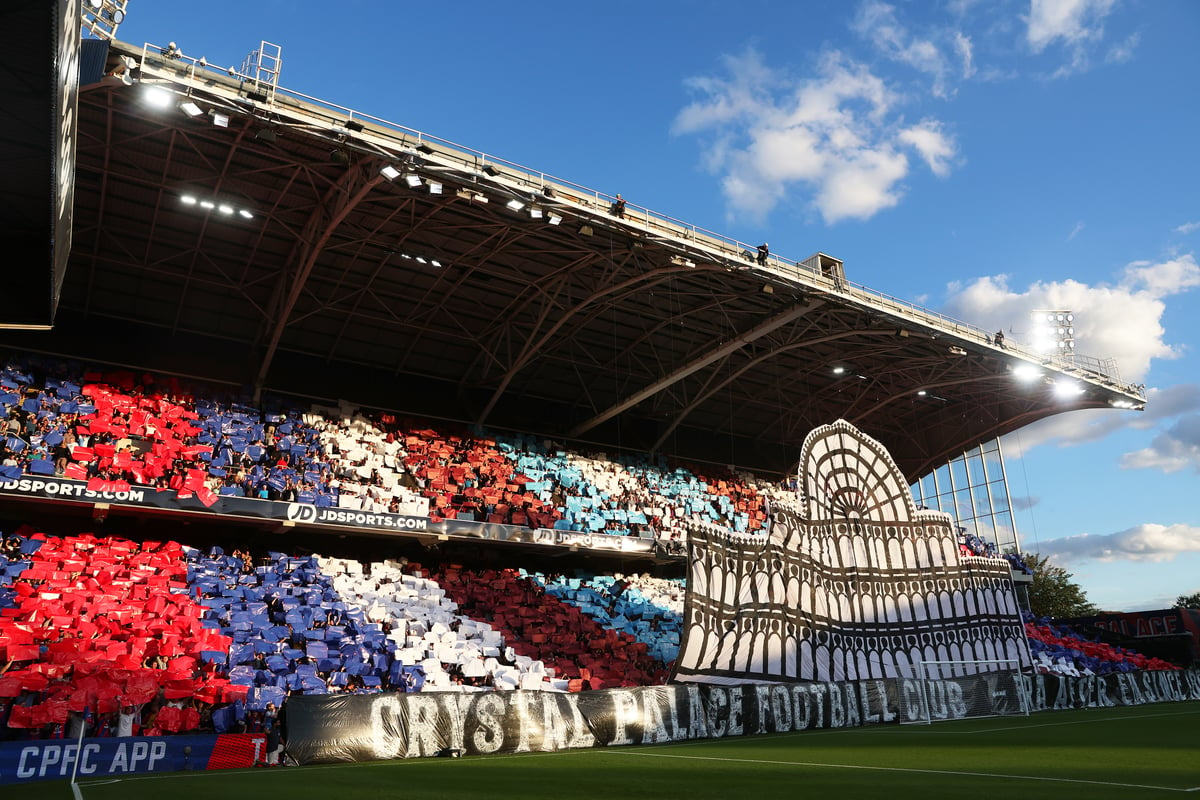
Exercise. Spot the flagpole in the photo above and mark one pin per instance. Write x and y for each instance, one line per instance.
(78, 754)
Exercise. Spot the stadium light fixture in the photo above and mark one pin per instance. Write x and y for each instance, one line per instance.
(1026, 373)
(390, 172)
(188, 200)
(514, 205)
(435, 187)
(245, 214)
(1066, 390)
(208, 204)
(225, 208)
(412, 179)
(157, 97)
(190, 108)
(586, 230)
(535, 212)
(267, 135)
(839, 370)
(553, 219)
(220, 120)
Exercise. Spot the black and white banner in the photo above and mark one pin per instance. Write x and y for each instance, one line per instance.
(301, 514)
(327, 728)
(853, 582)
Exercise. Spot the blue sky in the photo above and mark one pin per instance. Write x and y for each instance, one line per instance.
(981, 158)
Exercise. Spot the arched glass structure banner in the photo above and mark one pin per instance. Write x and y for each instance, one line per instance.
(852, 582)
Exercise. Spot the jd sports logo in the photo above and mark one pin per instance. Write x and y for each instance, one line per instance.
(301, 512)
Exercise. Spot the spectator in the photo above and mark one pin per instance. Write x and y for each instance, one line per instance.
(617, 209)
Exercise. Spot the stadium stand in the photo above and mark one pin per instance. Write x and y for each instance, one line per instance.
(94, 630)
(1058, 649)
(161, 637)
(116, 429)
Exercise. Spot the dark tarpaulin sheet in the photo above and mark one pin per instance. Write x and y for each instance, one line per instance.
(336, 728)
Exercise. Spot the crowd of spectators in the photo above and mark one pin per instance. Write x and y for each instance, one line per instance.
(151, 638)
(1059, 649)
(118, 429)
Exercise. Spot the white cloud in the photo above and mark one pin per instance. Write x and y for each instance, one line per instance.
(1071, 21)
(1174, 449)
(1078, 25)
(1079, 226)
(1121, 321)
(836, 134)
(966, 53)
(932, 144)
(1149, 542)
(877, 23)
(1188, 227)
(1120, 53)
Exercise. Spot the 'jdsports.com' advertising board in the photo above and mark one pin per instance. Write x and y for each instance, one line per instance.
(308, 514)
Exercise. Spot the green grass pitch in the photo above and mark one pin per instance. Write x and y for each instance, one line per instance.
(1125, 752)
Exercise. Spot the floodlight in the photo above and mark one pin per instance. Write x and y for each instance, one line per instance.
(421, 260)
(436, 263)
(413, 180)
(266, 135)
(245, 214)
(514, 205)
(209, 204)
(839, 370)
(157, 97)
(188, 200)
(553, 218)
(220, 120)
(922, 393)
(390, 172)
(190, 108)
(535, 212)
(435, 187)
(1026, 372)
(225, 208)
(1065, 390)
(585, 230)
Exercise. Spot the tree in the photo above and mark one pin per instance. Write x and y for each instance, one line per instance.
(1053, 593)
(1187, 601)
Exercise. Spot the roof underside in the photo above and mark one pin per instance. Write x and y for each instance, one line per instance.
(609, 338)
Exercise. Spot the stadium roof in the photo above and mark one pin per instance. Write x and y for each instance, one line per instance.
(253, 237)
